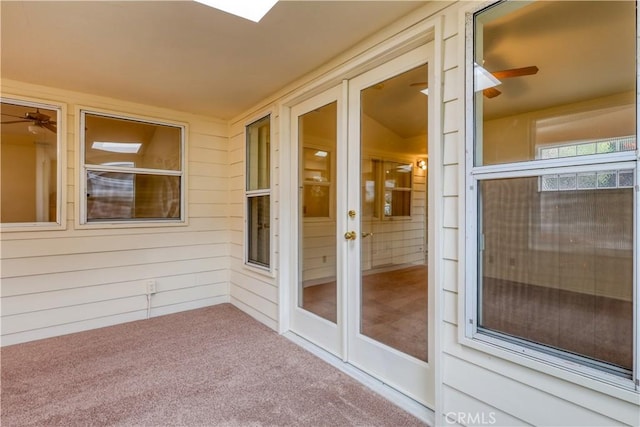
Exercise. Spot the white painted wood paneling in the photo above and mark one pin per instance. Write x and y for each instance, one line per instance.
(516, 390)
(58, 282)
(461, 409)
(518, 399)
(450, 275)
(451, 148)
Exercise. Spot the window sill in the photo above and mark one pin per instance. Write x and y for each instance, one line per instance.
(131, 224)
(562, 369)
(31, 226)
(259, 270)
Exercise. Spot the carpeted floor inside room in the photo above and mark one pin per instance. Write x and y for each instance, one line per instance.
(214, 366)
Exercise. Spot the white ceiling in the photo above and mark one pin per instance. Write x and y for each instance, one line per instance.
(181, 54)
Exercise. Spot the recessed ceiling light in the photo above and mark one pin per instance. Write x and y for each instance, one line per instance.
(253, 10)
(321, 154)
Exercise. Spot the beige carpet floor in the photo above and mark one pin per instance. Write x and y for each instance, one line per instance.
(214, 366)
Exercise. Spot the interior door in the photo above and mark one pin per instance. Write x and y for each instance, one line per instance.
(317, 303)
(389, 300)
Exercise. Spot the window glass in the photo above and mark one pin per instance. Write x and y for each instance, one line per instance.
(557, 266)
(133, 169)
(258, 192)
(119, 196)
(112, 141)
(258, 146)
(258, 220)
(540, 83)
(29, 170)
(556, 263)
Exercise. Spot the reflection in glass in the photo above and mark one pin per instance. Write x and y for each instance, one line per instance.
(564, 94)
(317, 136)
(258, 153)
(110, 140)
(121, 196)
(393, 245)
(29, 169)
(557, 265)
(317, 183)
(258, 219)
(397, 194)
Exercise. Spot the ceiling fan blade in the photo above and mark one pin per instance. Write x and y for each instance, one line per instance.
(13, 115)
(491, 92)
(15, 121)
(49, 126)
(515, 72)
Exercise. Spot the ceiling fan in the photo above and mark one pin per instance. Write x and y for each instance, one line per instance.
(36, 118)
(492, 92)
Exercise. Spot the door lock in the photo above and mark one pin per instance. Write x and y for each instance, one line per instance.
(350, 235)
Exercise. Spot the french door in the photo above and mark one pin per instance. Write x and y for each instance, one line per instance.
(361, 290)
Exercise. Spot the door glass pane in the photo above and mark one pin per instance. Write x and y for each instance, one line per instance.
(394, 212)
(317, 135)
(557, 266)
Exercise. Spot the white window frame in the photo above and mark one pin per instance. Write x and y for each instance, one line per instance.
(493, 343)
(83, 222)
(248, 194)
(61, 150)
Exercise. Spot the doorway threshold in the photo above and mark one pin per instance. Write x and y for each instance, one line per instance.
(401, 400)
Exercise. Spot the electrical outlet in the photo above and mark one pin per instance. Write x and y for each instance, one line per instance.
(151, 286)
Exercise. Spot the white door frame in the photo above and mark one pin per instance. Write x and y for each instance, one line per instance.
(320, 331)
(409, 375)
(425, 31)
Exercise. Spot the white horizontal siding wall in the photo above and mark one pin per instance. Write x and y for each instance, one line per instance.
(478, 388)
(252, 289)
(58, 282)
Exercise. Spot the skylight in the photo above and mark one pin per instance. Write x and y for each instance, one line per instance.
(253, 10)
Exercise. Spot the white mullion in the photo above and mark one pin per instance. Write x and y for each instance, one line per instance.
(596, 159)
(471, 273)
(636, 288)
(484, 173)
(138, 171)
(258, 193)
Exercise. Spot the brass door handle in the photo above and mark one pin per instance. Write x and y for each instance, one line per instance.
(350, 235)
